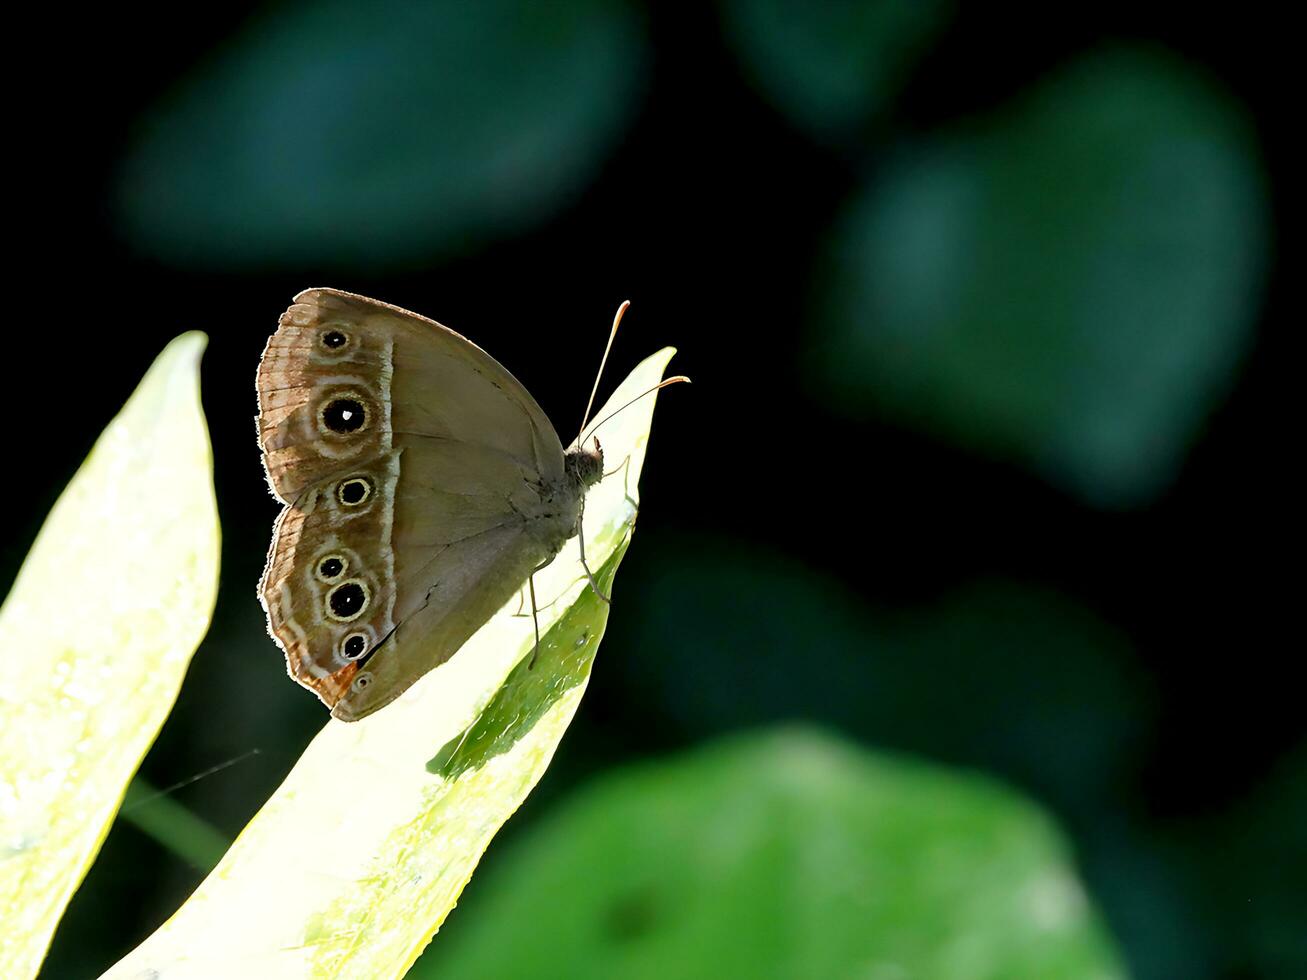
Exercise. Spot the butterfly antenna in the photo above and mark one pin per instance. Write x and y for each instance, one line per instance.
(617, 319)
(661, 384)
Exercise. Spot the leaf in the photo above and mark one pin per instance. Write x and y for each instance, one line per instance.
(787, 855)
(188, 836)
(360, 135)
(355, 861)
(97, 633)
(1250, 888)
(832, 67)
(1030, 682)
(1070, 283)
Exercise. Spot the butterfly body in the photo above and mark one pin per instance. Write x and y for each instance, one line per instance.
(422, 486)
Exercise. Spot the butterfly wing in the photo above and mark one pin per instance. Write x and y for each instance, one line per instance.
(347, 378)
(412, 465)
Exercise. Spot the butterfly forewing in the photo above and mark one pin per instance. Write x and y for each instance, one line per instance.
(424, 380)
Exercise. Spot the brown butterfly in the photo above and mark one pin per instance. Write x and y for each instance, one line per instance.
(423, 486)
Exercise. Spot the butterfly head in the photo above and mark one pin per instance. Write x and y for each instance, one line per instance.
(584, 465)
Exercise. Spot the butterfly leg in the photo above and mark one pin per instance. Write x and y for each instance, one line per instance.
(535, 610)
(535, 618)
(623, 465)
(625, 469)
(580, 538)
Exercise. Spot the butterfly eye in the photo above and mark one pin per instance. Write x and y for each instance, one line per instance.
(361, 682)
(347, 601)
(354, 491)
(332, 567)
(343, 416)
(355, 645)
(333, 340)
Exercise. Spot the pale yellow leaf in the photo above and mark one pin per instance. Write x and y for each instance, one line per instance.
(355, 861)
(96, 636)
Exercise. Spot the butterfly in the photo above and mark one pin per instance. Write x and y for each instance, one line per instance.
(422, 484)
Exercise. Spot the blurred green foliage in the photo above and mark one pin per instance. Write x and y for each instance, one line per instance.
(789, 855)
(185, 834)
(832, 67)
(1263, 860)
(1070, 283)
(359, 135)
(1028, 681)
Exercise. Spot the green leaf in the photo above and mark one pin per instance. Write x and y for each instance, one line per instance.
(1071, 283)
(368, 134)
(1251, 887)
(172, 825)
(786, 855)
(96, 634)
(355, 861)
(994, 673)
(832, 67)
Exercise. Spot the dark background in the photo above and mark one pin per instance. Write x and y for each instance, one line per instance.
(1121, 652)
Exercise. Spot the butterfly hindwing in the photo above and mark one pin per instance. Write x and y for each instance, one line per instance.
(328, 587)
(367, 549)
